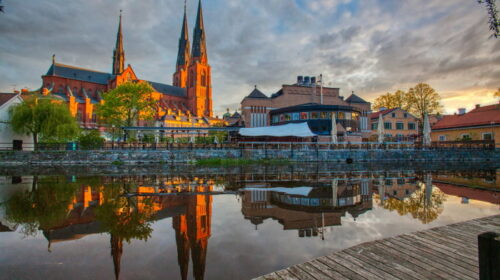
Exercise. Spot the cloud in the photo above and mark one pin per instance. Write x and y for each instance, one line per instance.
(368, 46)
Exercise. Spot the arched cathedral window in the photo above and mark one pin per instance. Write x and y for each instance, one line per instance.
(203, 79)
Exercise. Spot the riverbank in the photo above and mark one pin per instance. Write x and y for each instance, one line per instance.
(135, 157)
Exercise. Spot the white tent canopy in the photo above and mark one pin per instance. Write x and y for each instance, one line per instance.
(286, 130)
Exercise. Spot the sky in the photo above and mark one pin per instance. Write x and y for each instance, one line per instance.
(367, 46)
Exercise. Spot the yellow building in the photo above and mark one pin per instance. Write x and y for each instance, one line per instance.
(398, 124)
(482, 123)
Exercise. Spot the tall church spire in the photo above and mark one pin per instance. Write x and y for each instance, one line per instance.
(183, 54)
(199, 42)
(119, 53)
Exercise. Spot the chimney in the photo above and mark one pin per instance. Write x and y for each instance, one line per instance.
(313, 81)
(477, 106)
(300, 80)
(307, 80)
(461, 111)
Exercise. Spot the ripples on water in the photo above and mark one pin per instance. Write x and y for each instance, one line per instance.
(220, 223)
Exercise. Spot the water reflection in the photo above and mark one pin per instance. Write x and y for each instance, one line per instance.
(70, 208)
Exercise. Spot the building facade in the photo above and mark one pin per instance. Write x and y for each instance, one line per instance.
(256, 107)
(10, 140)
(188, 102)
(398, 124)
(482, 123)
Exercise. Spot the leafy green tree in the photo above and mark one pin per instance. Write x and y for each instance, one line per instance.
(44, 118)
(91, 140)
(423, 99)
(389, 100)
(126, 105)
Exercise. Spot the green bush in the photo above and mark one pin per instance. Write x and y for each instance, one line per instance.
(91, 140)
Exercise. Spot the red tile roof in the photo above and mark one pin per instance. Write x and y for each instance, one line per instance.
(384, 112)
(4, 97)
(486, 115)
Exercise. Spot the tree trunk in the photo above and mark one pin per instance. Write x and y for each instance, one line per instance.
(35, 141)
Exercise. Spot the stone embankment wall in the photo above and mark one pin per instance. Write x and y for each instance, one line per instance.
(9, 158)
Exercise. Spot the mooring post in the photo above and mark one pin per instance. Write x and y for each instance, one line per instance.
(489, 255)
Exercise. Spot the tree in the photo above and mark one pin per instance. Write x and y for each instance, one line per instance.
(423, 99)
(46, 119)
(389, 100)
(493, 16)
(91, 140)
(126, 105)
(497, 93)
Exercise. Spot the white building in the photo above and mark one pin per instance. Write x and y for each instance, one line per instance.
(8, 138)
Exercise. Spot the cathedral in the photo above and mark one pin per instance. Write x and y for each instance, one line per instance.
(188, 102)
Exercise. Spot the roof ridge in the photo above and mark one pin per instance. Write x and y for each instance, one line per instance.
(80, 68)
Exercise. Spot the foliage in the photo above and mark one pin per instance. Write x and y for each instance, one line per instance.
(120, 215)
(91, 140)
(421, 207)
(389, 100)
(46, 119)
(423, 99)
(493, 16)
(497, 93)
(126, 105)
(45, 206)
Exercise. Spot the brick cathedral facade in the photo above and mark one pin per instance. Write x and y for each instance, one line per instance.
(188, 102)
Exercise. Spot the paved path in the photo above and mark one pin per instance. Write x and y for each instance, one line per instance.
(447, 252)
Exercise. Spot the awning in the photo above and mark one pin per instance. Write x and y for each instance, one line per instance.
(286, 130)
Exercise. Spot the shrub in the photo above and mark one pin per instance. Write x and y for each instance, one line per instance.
(91, 140)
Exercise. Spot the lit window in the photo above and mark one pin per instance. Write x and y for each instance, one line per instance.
(304, 116)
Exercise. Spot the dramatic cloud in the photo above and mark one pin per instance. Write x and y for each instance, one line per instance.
(368, 46)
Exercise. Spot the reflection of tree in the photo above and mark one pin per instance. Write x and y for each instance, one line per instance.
(45, 206)
(122, 218)
(425, 204)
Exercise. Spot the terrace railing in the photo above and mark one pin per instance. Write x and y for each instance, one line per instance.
(478, 145)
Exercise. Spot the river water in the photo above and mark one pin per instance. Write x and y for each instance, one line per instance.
(188, 222)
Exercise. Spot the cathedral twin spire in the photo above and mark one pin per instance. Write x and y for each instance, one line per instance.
(199, 51)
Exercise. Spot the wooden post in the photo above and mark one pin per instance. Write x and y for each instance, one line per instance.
(489, 255)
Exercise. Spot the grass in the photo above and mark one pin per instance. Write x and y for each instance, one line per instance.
(239, 161)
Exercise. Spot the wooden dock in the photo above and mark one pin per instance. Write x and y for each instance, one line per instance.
(446, 252)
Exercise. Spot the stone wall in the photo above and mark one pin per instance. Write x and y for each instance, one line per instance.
(10, 158)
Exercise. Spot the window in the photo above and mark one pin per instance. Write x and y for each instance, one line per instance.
(282, 117)
(191, 79)
(295, 116)
(287, 117)
(374, 126)
(393, 115)
(487, 136)
(276, 119)
(442, 137)
(466, 136)
(203, 79)
(347, 116)
(341, 115)
(411, 126)
(388, 125)
(314, 115)
(304, 116)
(322, 115)
(405, 115)
(400, 125)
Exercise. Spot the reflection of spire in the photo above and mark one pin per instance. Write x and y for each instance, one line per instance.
(428, 189)
(116, 253)
(182, 246)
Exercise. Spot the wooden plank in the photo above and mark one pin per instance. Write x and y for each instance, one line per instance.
(340, 259)
(313, 271)
(286, 275)
(416, 263)
(333, 274)
(431, 260)
(341, 269)
(370, 267)
(399, 264)
(447, 252)
(453, 259)
(301, 274)
(381, 266)
(440, 247)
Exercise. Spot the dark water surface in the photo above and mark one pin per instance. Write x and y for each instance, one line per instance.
(102, 223)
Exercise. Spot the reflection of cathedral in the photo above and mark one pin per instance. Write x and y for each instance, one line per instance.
(191, 220)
